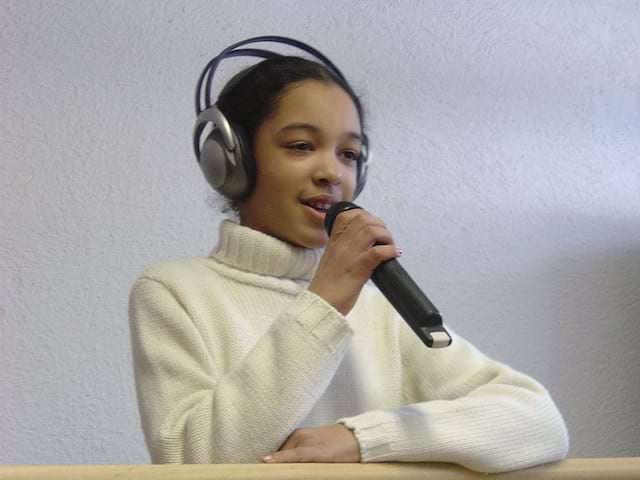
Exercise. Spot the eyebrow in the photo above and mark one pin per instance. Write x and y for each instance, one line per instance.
(316, 129)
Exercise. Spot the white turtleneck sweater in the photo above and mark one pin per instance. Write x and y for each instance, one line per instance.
(232, 353)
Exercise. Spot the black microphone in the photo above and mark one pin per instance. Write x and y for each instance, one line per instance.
(402, 292)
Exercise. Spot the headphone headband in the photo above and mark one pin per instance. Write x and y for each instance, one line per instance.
(211, 67)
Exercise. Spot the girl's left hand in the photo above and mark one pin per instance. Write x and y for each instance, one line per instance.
(328, 444)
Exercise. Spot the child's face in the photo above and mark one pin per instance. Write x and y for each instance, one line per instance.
(295, 163)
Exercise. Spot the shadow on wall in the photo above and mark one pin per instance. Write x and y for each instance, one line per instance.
(580, 282)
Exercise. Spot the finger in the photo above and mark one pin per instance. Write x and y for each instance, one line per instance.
(291, 441)
(288, 445)
(352, 221)
(363, 218)
(376, 255)
(295, 455)
(369, 235)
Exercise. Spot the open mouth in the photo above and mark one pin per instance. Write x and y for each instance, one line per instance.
(319, 207)
(317, 210)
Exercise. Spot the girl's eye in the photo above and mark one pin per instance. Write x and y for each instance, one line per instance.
(304, 146)
(351, 155)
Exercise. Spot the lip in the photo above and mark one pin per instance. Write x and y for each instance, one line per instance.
(321, 198)
(315, 214)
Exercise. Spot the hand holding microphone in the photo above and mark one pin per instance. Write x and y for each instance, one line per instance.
(359, 243)
(361, 247)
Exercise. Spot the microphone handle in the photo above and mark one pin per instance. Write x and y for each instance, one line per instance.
(411, 303)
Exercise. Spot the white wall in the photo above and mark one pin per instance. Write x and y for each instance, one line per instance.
(507, 165)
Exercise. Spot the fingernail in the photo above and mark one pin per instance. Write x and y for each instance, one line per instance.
(267, 458)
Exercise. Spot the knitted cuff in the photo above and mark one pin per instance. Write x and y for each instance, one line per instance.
(321, 319)
(375, 434)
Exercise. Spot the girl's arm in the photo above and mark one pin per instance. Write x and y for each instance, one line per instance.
(463, 408)
(190, 415)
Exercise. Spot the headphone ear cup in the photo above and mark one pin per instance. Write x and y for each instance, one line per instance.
(360, 179)
(363, 167)
(214, 160)
(230, 173)
(246, 160)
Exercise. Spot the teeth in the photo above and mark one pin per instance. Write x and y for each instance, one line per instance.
(320, 206)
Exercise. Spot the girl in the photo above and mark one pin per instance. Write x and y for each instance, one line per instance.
(275, 349)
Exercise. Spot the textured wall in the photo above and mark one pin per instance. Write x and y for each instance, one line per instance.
(507, 164)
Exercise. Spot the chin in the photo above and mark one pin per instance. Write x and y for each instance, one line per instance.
(318, 245)
(312, 241)
(310, 244)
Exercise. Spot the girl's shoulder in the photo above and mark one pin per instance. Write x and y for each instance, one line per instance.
(182, 270)
(192, 274)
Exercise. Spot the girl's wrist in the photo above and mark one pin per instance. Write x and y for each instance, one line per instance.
(326, 297)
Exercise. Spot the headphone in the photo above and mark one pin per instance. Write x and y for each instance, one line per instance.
(224, 155)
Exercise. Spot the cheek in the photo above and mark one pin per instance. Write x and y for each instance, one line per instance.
(352, 175)
(275, 184)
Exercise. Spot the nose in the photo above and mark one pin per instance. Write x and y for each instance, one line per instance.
(328, 169)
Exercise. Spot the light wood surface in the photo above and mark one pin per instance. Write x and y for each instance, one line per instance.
(575, 468)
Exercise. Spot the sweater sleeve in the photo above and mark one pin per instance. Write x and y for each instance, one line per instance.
(470, 410)
(191, 416)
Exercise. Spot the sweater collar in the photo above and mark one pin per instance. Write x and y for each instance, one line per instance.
(254, 251)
